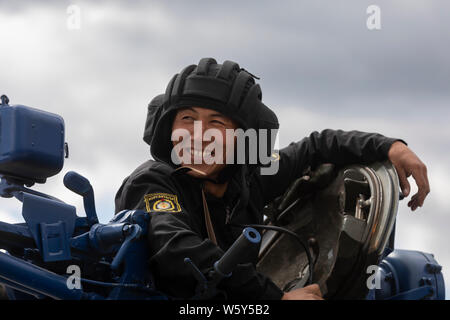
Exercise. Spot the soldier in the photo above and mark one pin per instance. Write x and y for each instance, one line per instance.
(196, 205)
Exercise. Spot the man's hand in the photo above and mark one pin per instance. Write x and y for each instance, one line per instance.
(407, 163)
(311, 292)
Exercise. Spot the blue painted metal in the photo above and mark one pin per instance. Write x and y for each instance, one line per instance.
(31, 143)
(34, 280)
(409, 275)
(51, 223)
(131, 259)
(112, 257)
(80, 185)
(9, 188)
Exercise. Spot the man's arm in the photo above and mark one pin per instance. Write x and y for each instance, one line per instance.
(329, 146)
(345, 148)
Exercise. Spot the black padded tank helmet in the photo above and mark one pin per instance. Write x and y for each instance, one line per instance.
(225, 88)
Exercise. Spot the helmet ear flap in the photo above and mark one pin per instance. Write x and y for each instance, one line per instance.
(154, 111)
(169, 88)
(238, 89)
(254, 92)
(249, 105)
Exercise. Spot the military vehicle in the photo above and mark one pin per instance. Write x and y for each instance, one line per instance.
(333, 226)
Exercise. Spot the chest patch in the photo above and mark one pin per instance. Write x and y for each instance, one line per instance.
(162, 202)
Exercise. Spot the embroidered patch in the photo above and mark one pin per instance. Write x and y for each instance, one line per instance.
(161, 202)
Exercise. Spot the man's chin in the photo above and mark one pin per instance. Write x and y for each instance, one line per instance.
(202, 171)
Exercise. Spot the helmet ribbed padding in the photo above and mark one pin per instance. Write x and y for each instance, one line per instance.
(203, 66)
(225, 84)
(228, 70)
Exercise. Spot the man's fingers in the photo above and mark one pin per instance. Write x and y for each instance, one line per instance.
(312, 296)
(413, 200)
(404, 184)
(427, 183)
(413, 203)
(311, 292)
(422, 184)
(314, 289)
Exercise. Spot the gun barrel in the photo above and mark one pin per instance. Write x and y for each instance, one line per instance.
(249, 238)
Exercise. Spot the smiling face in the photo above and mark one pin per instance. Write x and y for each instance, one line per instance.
(203, 151)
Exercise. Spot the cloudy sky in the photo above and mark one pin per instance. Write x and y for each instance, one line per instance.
(320, 67)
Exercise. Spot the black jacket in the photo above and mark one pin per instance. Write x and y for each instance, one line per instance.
(177, 229)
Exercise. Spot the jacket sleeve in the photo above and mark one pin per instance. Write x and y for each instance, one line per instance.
(172, 238)
(329, 146)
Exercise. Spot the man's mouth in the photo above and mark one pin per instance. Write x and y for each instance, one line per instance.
(199, 153)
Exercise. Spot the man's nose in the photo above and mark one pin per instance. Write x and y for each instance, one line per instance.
(199, 128)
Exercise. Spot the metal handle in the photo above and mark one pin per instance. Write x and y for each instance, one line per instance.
(133, 232)
(233, 256)
(80, 185)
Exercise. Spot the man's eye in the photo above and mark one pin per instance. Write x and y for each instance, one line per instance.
(187, 118)
(218, 122)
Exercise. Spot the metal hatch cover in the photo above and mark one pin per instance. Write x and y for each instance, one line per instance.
(351, 220)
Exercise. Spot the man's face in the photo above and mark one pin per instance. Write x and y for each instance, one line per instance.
(205, 147)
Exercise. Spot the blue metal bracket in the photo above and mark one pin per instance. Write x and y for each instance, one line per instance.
(52, 224)
(55, 244)
(414, 294)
